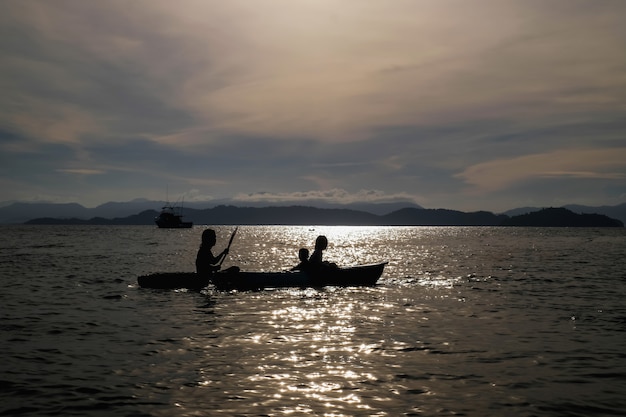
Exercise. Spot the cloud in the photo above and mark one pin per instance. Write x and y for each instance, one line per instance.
(336, 195)
(82, 171)
(500, 174)
(315, 69)
(339, 80)
(46, 122)
(230, 97)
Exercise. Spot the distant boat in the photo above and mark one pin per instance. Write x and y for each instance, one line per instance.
(171, 217)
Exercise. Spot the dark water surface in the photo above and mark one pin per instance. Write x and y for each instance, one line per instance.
(465, 321)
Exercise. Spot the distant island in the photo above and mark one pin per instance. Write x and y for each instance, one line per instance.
(561, 217)
(303, 215)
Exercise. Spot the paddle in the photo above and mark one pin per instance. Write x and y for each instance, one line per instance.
(229, 243)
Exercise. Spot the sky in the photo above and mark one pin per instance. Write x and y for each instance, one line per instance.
(466, 105)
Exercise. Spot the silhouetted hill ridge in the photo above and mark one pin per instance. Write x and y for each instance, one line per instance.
(562, 217)
(441, 217)
(617, 212)
(20, 212)
(305, 215)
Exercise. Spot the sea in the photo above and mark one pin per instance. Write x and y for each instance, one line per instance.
(465, 321)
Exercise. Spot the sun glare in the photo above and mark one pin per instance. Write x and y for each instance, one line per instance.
(322, 358)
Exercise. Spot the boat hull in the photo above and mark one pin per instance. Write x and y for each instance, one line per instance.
(170, 221)
(360, 275)
(166, 225)
(173, 280)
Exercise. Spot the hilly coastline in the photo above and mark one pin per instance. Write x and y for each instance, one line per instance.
(304, 215)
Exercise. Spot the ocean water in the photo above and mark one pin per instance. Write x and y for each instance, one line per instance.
(473, 321)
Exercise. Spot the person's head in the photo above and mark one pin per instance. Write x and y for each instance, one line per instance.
(321, 243)
(208, 238)
(303, 254)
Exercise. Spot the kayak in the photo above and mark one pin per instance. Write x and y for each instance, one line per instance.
(174, 280)
(359, 275)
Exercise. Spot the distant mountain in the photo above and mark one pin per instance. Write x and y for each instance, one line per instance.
(231, 215)
(22, 212)
(123, 209)
(373, 208)
(144, 218)
(293, 215)
(561, 217)
(199, 213)
(301, 215)
(616, 212)
(441, 217)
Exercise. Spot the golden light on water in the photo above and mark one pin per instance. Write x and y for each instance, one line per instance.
(314, 351)
(314, 355)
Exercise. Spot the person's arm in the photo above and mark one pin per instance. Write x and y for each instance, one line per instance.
(221, 256)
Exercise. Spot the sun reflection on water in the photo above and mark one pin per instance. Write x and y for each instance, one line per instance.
(316, 361)
(333, 351)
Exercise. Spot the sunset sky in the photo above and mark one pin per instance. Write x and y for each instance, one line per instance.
(467, 105)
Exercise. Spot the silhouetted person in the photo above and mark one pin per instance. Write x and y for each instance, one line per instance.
(321, 243)
(206, 263)
(315, 261)
(303, 255)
